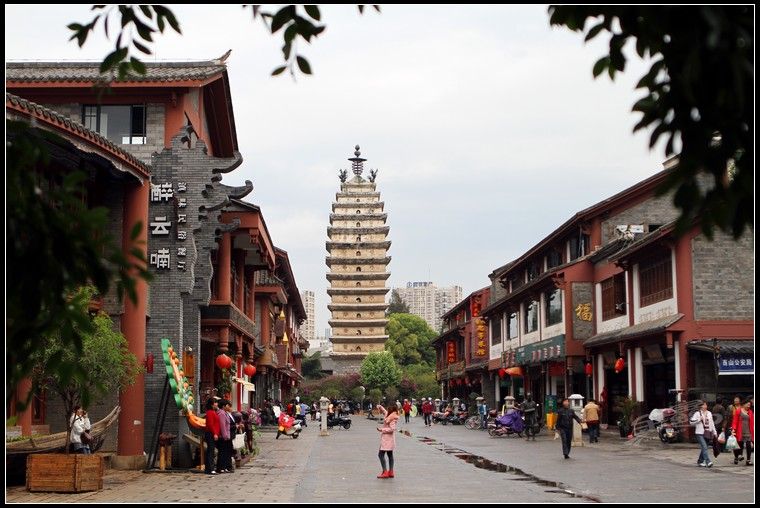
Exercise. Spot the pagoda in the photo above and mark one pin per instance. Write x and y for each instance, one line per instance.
(358, 261)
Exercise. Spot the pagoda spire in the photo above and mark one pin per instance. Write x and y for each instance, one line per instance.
(357, 163)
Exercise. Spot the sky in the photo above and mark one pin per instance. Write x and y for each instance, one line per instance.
(485, 123)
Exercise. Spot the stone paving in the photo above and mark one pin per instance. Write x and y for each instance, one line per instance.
(435, 464)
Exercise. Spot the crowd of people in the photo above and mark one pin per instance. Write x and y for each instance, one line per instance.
(737, 430)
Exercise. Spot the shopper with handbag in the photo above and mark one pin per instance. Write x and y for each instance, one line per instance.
(743, 425)
(705, 432)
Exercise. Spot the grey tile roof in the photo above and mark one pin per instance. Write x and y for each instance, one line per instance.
(62, 121)
(87, 72)
(746, 346)
(631, 332)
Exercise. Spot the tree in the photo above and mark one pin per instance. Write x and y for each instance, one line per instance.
(375, 395)
(409, 339)
(311, 366)
(392, 393)
(397, 305)
(699, 91)
(104, 356)
(54, 246)
(379, 370)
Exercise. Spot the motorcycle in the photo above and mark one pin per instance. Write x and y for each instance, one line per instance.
(510, 423)
(663, 423)
(339, 421)
(288, 426)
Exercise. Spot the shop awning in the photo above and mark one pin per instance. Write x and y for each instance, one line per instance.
(248, 386)
(632, 332)
(735, 357)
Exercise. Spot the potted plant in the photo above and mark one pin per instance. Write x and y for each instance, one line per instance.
(626, 406)
(107, 366)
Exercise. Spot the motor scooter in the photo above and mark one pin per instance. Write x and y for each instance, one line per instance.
(288, 426)
(510, 423)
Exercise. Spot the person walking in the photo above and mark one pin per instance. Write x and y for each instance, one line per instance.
(387, 438)
(427, 410)
(80, 424)
(529, 409)
(704, 431)
(744, 429)
(407, 410)
(565, 417)
(211, 434)
(591, 417)
(313, 411)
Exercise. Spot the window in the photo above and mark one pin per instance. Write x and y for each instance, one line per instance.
(531, 316)
(512, 326)
(358, 332)
(358, 253)
(359, 238)
(495, 331)
(553, 307)
(578, 246)
(516, 281)
(123, 125)
(358, 314)
(553, 258)
(655, 279)
(534, 269)
(358, 224)
(358, 300)
(358, 284)
(358, 212)
(613, 297)
(358, 268)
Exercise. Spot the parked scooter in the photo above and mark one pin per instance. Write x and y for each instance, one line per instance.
(663, 422)
(339, 421)
(510, 423)
(288, 426)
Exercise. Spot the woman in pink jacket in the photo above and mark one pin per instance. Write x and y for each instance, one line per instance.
(387, 439)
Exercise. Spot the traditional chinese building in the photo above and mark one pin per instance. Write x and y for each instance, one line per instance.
(462, 349)
(358, 259)
(567, 303)
(177, 123)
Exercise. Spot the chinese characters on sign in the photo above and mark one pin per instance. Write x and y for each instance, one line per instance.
(163, 193)
(736, 365)
(583, 311)
(451, 352)
(480, 327)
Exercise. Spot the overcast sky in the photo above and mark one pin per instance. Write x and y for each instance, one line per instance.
(485, 123)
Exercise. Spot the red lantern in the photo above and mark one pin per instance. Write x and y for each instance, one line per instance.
(250, 370)
(502, 373)
(589, 369)
(459, 381)
(619, 365)
(451, 382)
(223, 361)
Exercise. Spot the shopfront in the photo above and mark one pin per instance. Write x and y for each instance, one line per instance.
(544, 369)
(722, 368)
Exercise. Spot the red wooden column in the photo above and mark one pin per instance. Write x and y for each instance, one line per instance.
(25, 417)
(132, 398)
(240, 268)
(225, 265)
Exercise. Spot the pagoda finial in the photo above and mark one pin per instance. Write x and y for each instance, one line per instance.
(357, 163)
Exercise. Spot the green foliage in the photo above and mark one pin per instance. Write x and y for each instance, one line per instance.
(392, 393)
(356, 394)
(104, 356)
(409, 338)
(339, 386)
(397, 305)
(11, 422)
(379, 370)
(150, 20)
(224, 385)
(699, 91)
(375, 395)
(311, 366)
(423, 378)
(55, 245)
(627, 407)
(137, 28)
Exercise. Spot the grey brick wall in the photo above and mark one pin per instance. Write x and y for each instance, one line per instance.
(655, 210)
(177, 295)
(497, 291)
(723, 277)
(55, 416)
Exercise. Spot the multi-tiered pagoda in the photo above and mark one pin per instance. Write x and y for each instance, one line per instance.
(358, 260)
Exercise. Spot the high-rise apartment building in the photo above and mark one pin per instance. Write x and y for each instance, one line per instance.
(428, 301)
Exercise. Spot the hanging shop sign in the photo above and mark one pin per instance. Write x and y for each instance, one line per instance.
(480, 331)
(550, 349)
(735, 365)
(451, 352)
(167, 207)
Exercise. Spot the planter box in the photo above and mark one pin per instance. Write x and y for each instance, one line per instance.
(58, 472)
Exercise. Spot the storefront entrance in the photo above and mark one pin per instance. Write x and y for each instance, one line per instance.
(658, 379)
(617, 386)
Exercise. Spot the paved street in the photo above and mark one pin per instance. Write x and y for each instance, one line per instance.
(432, 464)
